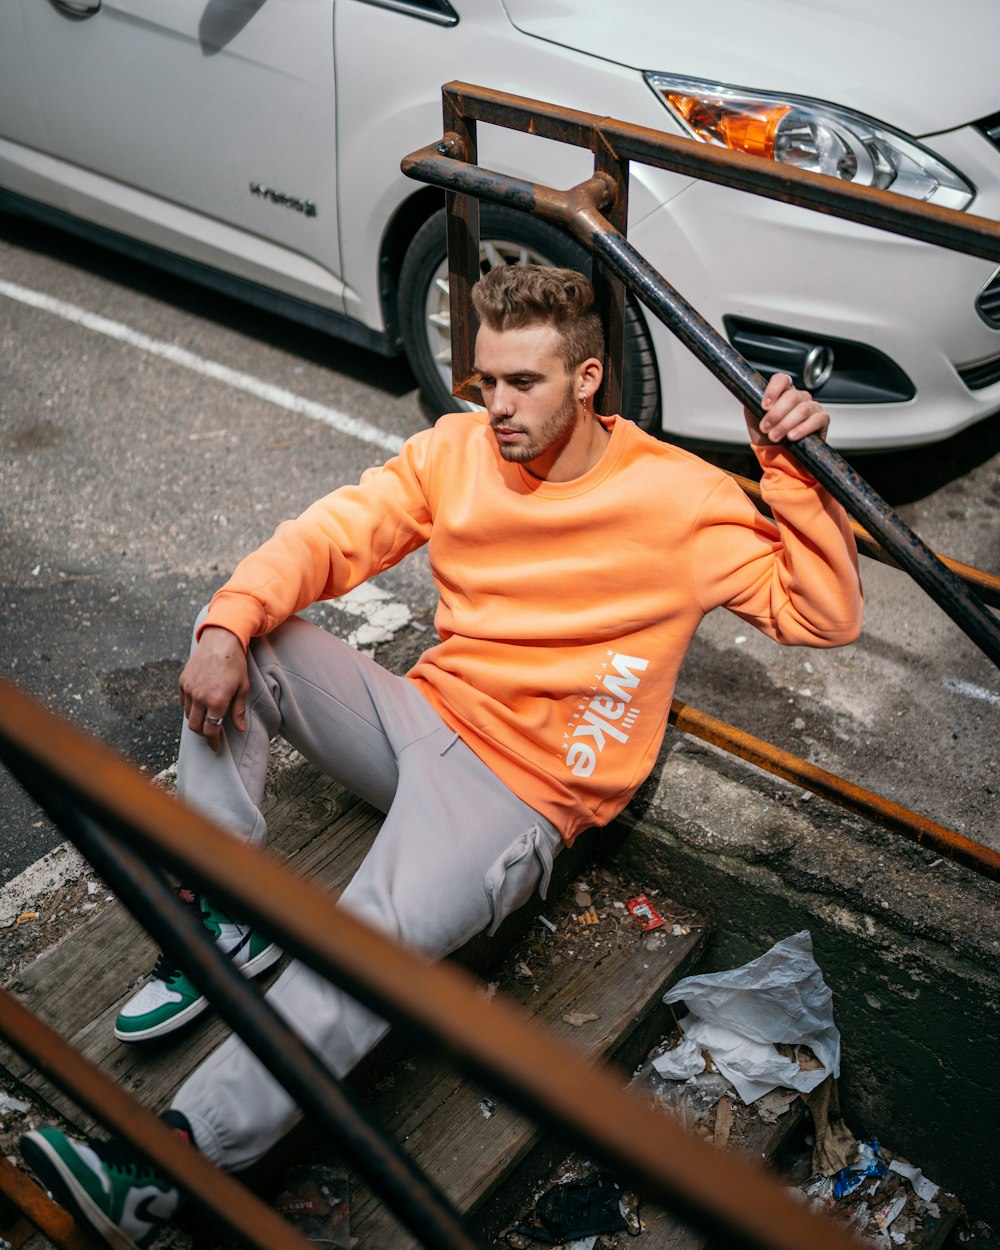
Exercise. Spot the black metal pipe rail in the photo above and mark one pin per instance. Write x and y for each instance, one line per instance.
(439, 1004)
(451, 164)
(843, 482)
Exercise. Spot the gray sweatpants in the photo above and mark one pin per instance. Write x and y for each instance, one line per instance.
(456, 853)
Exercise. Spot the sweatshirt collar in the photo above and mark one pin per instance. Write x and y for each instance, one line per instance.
(544, 489)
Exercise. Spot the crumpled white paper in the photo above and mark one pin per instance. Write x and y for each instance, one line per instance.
(922, 1187)
(738, 1016)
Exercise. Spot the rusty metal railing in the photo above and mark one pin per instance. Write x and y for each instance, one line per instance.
(42, 1214)
(596, 210)
(874, 807)
(391, 1172)
(114, 814)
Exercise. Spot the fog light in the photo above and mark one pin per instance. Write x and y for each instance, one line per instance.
(817, 367)
(836, 371)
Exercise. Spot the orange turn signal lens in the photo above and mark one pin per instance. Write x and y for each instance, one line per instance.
(749, 127)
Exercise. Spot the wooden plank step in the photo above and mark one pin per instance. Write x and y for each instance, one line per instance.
(78, 986)
(722, 1118)
(324, 832)
(606, 1006)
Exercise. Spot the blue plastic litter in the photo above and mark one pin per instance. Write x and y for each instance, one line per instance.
(868, 1163)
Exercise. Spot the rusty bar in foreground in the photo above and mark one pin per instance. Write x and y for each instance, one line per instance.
(867, 803)
(487, 1039)
(213, 1190)
(392, 1174)
(54, 1223)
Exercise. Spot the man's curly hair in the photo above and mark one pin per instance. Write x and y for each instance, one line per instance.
(511, 297)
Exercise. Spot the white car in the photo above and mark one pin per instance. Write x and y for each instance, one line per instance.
(254, 145)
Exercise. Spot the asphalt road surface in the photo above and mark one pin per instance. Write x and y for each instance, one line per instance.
(151, 434)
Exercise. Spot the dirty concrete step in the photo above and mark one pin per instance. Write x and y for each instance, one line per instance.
(602, 998)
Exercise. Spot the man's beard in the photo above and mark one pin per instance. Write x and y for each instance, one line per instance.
(556, 429)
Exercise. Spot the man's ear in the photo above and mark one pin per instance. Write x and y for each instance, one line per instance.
(589, 376)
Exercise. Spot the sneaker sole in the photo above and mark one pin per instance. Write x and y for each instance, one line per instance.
(191, 1012)
(69, 1193)
(267, 958)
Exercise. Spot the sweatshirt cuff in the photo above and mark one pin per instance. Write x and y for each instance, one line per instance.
(240, 614)
(775, 456)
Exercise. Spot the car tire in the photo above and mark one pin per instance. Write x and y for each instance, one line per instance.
(507, 237)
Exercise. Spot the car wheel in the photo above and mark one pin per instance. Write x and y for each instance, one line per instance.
(507, 238)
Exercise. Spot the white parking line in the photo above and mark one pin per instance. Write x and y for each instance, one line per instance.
(341, 421)
(381, 616)
(970, 690)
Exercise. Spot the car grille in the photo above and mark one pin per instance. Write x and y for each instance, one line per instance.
(988, 302)
(977, 377)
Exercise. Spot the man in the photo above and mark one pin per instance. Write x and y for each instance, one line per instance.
(574, 557)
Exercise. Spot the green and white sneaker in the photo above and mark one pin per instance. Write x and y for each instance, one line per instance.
(105, 1185)
(169, 999)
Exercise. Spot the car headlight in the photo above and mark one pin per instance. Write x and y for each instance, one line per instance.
(810, 134)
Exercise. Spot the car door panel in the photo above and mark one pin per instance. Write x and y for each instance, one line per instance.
(21, 133)
(205, 126)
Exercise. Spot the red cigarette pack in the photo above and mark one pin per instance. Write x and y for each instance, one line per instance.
(644, 911)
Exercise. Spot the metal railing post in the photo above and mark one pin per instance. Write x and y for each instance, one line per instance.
(609, 289)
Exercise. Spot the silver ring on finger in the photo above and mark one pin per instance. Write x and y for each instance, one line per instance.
(213, 720)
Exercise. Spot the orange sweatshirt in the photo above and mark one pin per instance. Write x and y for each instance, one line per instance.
(565, 608)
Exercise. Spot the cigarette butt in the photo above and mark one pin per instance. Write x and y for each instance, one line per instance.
(548, 924)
